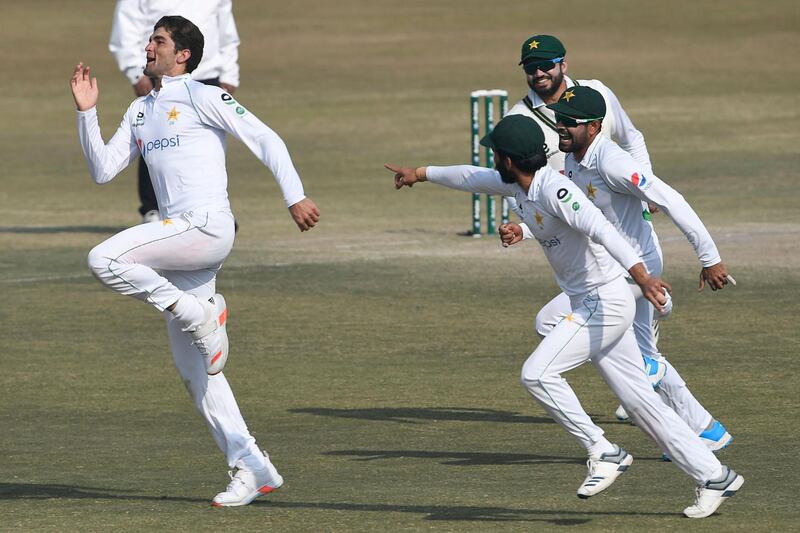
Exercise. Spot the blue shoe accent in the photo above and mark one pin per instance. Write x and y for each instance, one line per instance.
(655, 370)
(715, 432)
(716, 437)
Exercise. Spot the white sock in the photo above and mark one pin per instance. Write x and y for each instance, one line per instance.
(600, 447)
(189, 312)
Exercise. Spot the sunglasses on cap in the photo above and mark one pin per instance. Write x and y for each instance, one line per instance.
(544, 65)
(572, 122)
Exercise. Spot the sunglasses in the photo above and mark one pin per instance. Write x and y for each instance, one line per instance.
(572, 122)
(544, 66)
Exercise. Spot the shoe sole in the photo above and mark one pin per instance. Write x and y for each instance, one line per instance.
(623, 466)
(716, 445)
(266, 489)
(729, 492)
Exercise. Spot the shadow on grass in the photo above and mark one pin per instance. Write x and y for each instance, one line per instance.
(413, 415)
(465, 513)
(61, 229)
(460, 458)
(21, 491)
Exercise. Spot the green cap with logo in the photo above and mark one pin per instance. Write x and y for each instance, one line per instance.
(541, 47)
(516, 135)
(581, 103)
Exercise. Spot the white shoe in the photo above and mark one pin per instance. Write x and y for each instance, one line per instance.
(211, 337)
(713, 492)
(151, 216)
(604, 471)
(621, 414)
(247, 485)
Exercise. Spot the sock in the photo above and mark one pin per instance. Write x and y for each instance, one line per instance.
(599, 448)
(189, 312)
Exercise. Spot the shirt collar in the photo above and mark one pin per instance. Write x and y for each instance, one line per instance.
(166, 80)
(590, 157)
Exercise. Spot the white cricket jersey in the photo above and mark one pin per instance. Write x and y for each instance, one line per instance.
(619, 185)
(581, 245)
(616, 124)
(133, 24)
(180, 133)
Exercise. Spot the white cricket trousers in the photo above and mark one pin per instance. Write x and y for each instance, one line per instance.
(672, 389)
(159, 261)
(598, 327)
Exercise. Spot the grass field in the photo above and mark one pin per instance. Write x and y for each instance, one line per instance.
(377, 357)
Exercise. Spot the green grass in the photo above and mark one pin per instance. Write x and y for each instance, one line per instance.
(377, 357)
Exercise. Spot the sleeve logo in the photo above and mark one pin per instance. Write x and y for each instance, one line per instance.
(564, 195)
(639, 181)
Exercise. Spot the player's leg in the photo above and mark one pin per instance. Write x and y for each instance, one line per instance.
(621, 368)
(148, 207)
(213, 398)
(129, 263)
(586, 329)
(671, 387)
(552, 313)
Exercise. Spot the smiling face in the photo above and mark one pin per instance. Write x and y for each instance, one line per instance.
(162, 58)
(576, 138)
(548, 83)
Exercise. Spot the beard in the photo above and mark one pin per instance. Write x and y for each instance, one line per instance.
(555, 80)
(506, 176)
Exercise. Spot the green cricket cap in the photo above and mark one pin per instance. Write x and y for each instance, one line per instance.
(541, 47)
(581, 103)
(516, 135)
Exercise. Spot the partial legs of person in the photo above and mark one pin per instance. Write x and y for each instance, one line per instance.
(172, 265)
(672, 388)
(661, 373)
(598, 325)
(255, 474)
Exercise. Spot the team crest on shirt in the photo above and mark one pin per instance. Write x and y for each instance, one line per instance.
(590, 191)
(139, 119)
(539, 219)
(172, 115)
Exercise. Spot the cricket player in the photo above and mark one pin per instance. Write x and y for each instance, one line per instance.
(179, 128)
(590, 260)
(543, 60)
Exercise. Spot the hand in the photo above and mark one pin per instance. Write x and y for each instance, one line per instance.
(227, 87)
(305, 214)
(143, 86)
(84, 88)
(652, 287)
(406, 176)
(653, 208)
(717, 277)
(510, 234)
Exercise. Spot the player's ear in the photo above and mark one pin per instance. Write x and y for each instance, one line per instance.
(183, 56)
(564, 66)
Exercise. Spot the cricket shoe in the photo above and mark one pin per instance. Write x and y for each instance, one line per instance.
(711, 494)
(604, 471)
(716, 437)
(247, 485)
(211, 337)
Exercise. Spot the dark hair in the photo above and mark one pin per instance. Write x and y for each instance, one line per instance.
(529, 165)
(186, 36)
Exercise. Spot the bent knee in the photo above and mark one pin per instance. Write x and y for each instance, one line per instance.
(544, 324)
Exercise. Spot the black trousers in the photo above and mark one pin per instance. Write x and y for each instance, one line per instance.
(147, 196)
